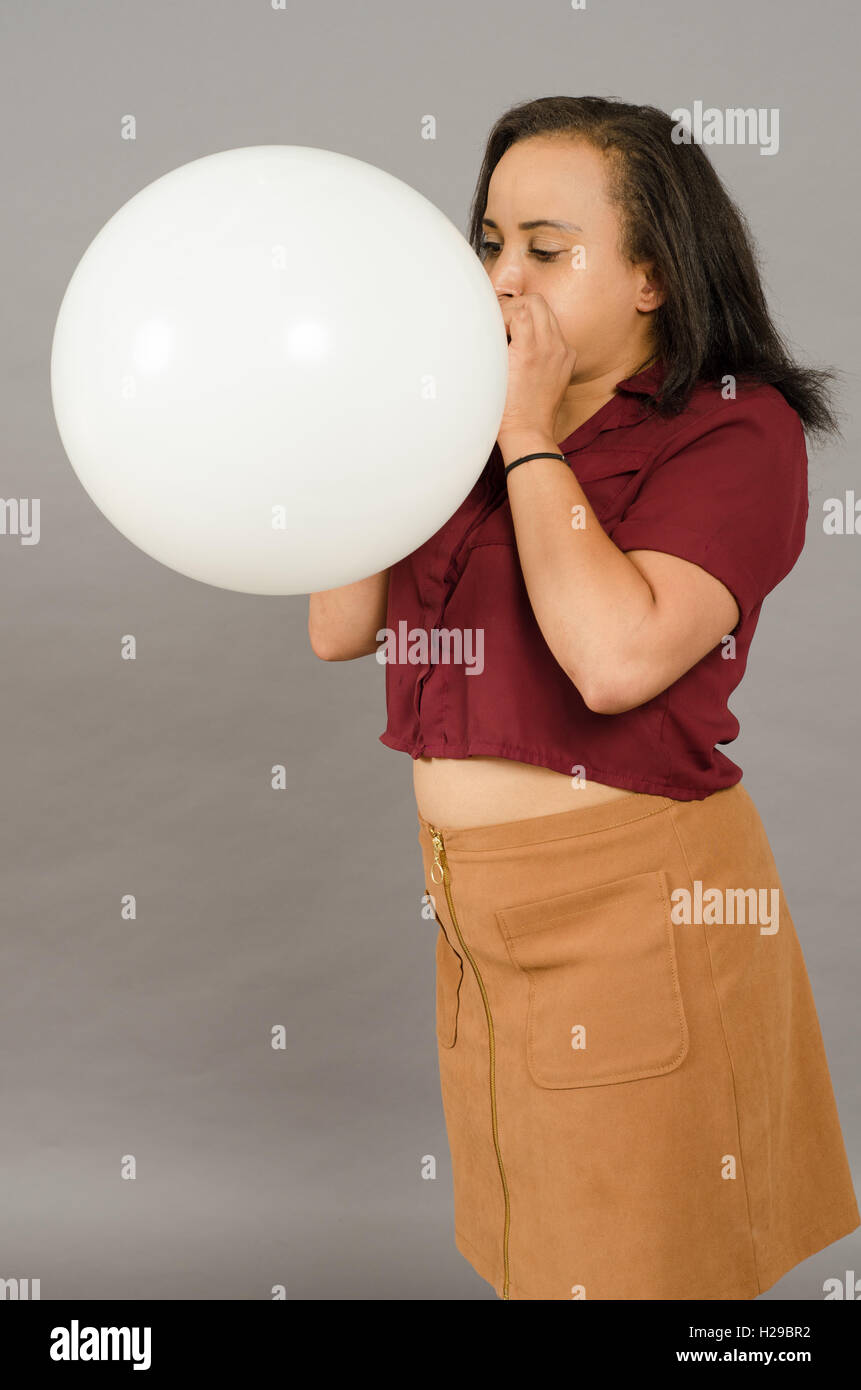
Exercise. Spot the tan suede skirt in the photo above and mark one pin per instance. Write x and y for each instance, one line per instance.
(635, 1088)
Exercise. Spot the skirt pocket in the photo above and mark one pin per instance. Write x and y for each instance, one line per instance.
(605, 1003)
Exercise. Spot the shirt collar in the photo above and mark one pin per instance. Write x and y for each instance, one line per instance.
(622, 409)
(644, 382)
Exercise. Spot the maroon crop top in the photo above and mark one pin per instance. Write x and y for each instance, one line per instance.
(468, 672)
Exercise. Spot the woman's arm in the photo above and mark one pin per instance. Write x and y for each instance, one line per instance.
(623, 629)
(623, 626)
(343, 622)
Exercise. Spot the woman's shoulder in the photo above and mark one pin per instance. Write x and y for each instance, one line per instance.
(738, 408)
(743, 395)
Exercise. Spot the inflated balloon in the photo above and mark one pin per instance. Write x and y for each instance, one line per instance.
(278, 369)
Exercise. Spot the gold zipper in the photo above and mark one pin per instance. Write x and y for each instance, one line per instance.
(440, 861)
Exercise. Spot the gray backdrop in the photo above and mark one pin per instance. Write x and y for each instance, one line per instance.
(256, 908)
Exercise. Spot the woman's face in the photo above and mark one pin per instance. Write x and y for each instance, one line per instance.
(603, 303)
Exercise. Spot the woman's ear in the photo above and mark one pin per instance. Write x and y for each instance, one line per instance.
(651, 294)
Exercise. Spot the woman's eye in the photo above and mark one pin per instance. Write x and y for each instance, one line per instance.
(491, 248)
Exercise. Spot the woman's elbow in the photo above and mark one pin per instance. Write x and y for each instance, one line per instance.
(601, 700)
(616, 695)
(331, 651)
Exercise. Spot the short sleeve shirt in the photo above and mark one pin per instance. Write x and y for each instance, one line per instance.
(723, 484)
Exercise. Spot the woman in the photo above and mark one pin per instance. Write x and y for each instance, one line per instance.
(636, 1093)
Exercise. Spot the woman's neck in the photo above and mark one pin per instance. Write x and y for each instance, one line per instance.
(584, 398)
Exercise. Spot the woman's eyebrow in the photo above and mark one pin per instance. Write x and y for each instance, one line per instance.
(539, 222)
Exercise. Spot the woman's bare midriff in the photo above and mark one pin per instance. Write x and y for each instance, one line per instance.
(465, 792)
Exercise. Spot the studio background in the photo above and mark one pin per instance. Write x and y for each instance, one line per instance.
(256, 908)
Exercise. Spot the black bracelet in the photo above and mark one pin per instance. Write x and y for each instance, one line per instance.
(509, 466)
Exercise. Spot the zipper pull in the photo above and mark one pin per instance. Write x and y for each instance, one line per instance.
(439, 860)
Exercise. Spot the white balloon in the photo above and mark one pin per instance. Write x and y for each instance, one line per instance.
(278, 369)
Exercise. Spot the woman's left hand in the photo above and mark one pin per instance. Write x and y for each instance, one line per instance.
(540, 364)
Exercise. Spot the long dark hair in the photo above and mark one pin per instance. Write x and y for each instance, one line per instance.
(675, 211)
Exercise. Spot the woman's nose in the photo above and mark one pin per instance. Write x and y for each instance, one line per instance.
(508, 285)
(506, 276)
